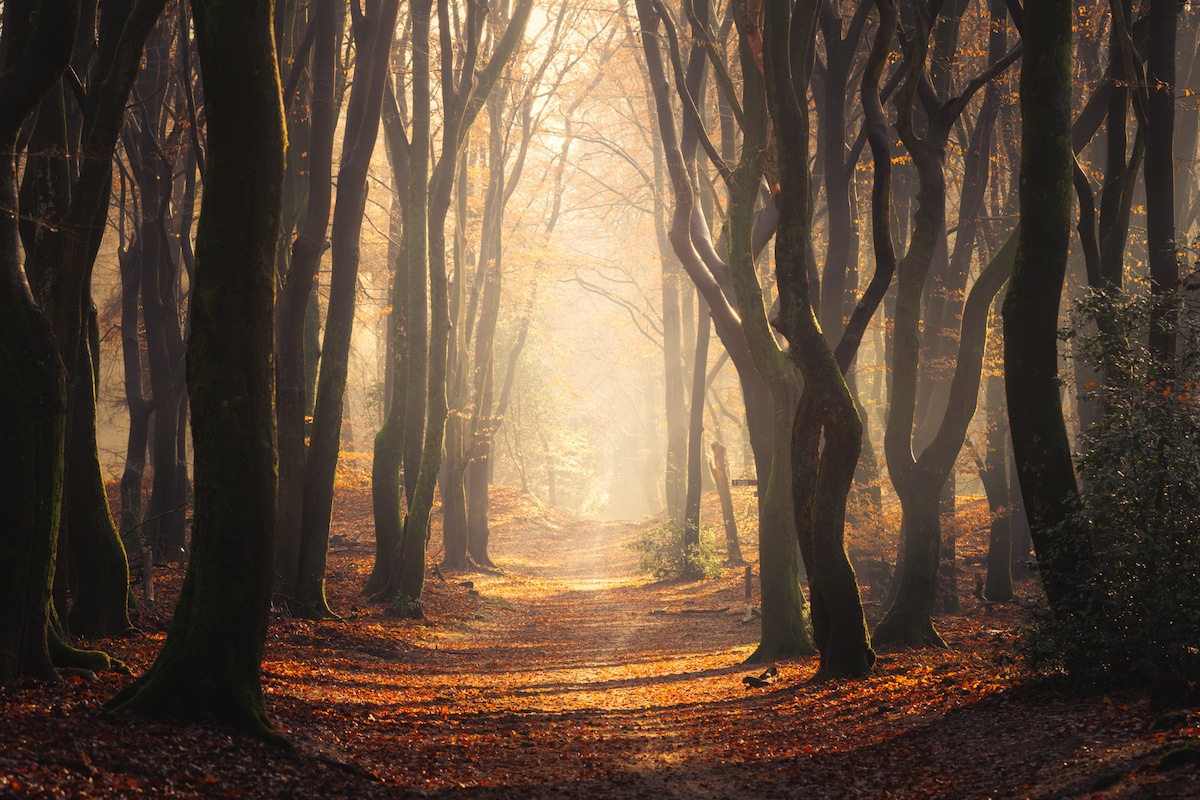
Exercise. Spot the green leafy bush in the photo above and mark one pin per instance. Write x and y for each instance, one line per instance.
(1139, 618)
(662, 553)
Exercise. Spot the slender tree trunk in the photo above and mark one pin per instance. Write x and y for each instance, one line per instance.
(291, 395)
(691, 525)
(994, 473)
(720, 470)
(365, 105)
(1160, 176)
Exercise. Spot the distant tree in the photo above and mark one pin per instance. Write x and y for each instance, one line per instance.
(210, 664)
(420, 415)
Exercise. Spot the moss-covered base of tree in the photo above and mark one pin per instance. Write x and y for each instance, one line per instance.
(850, 662)
(406, 607)
(792, 643)
(315, 610)
(66, 656)
(377, 581)
(190, 692)
(99, 565)
(310, 601)
(907, 627)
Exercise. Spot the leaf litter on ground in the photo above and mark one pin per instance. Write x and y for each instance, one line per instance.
(552, 679)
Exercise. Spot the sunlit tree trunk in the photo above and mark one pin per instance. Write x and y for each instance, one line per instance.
(374, 34)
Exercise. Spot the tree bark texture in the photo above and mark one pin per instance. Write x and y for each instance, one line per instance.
(1039, 434)
(210, 663)
(33, 394)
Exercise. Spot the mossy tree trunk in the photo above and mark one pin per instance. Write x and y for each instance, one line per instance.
(98, 566)
(822, 473)
(730, 288)
(919, 478)
(33, 394)
(68, 200)
(97, 575)
(209, 666)
(1039, 434)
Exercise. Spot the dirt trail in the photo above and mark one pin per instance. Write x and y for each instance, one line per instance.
(569, 679)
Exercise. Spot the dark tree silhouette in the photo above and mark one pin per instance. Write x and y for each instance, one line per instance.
(210, 663)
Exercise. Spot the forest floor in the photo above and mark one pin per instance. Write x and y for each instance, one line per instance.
(571, 675)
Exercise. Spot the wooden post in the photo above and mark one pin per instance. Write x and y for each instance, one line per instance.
(733, 551)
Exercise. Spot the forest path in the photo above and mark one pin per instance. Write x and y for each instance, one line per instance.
(571, 675)
(572, 666)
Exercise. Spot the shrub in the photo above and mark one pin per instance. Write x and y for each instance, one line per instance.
(662, 553)
(1139, 618)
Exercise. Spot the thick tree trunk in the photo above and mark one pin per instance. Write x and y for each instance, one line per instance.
(33, 394)
(99, 570)
(1030, 311)
(821, 477)
(210, 664)
(32, 431)
(770, 403)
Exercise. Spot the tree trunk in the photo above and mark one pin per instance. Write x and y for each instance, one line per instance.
(691, 518)
(1030, 310)
(210, 664)
(362, 129)
(821, 477)
(291, 394)
(33, 395)
(1160, 177)
(744, 331)
(99, 570)
(461, 106)
(993, 471)
(733, 551)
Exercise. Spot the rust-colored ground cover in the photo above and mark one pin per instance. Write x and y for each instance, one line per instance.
(569, 675)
